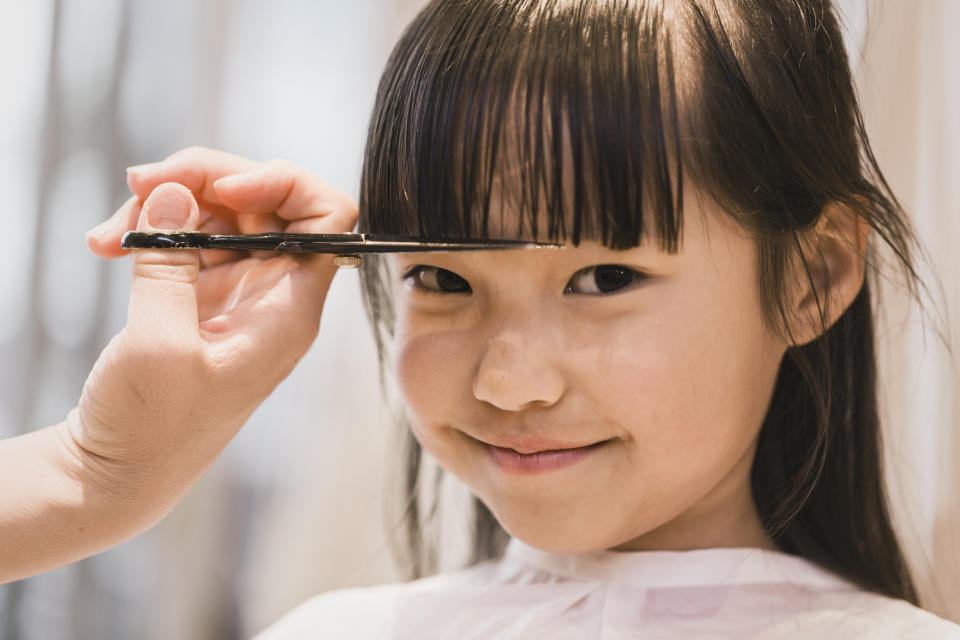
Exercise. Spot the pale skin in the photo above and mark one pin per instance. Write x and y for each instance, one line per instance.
(675, 371)
(207, 338)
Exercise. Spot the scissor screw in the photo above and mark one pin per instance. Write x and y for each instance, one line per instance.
(347, 262)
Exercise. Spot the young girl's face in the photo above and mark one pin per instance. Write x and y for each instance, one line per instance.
(653, 371)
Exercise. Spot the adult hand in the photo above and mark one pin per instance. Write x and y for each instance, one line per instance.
(209, 334)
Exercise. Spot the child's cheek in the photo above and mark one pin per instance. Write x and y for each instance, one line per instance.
(640, 378)
(433, 383)
(665, 381)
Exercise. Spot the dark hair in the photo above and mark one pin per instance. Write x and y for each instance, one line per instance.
(753, 101)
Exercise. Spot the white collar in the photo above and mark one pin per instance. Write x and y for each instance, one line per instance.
(699, 567)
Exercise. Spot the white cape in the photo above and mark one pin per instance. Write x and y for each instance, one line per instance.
(708, 593)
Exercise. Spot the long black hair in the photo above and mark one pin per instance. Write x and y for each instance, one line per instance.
(751, 100)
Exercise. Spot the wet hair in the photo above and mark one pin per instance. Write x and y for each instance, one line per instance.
(585, 118)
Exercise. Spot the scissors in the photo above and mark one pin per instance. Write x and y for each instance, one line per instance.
(346, 246)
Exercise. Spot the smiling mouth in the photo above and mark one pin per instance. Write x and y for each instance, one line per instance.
(535, 445)
(510, 460)
(552, 450)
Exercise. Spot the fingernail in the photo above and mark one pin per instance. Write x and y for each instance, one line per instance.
(140, 167)
(167, 211)
(100, 228)
(137, 170)
(226, 181)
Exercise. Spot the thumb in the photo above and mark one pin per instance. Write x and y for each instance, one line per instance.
(163, 293)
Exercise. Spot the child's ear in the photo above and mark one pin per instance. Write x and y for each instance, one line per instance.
(835, 252)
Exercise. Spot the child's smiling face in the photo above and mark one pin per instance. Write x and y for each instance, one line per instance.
(670, 369)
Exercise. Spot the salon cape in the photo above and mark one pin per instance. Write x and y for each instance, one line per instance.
(707, 593)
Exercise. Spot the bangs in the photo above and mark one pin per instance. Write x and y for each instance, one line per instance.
(512, 119)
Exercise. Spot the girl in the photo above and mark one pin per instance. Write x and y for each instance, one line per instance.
(670, 426)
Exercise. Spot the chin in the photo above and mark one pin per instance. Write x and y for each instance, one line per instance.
(565, 535)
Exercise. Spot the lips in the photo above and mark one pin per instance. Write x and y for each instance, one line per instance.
(512, 461)
(531, 445)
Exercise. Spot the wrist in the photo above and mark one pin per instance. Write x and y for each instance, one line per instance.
(146, 486)
(130, 496)
(58, 505)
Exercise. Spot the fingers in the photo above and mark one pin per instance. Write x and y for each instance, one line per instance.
(281, 190)
(196, 168)
(293, 194)
(216, 224)
(236, 195)
(274, 329)
(288, 190)
(104, 239)
(226, 286)
(270, 197)
(163, 293)
(274, 196)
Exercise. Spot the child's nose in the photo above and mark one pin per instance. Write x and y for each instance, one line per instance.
(515, 373)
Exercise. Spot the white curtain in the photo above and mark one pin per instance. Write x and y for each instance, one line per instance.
(910, 92)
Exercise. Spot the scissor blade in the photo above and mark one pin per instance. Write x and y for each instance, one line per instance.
(388, 244)
(338, 243)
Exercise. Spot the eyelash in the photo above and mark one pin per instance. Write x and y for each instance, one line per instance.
(636, 277)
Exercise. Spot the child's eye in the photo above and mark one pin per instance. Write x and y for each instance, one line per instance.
(594, 280)
(436, 280)
(602, 278)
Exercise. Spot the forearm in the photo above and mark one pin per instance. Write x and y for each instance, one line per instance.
(59, 504)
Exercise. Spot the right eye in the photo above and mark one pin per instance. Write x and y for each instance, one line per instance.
(435, 280)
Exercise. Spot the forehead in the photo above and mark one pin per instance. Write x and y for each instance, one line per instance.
(704, 223)
(511, 214)
(557, 203)
(556, 123)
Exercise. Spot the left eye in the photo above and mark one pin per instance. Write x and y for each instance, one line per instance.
(602, 278)
(435, 280)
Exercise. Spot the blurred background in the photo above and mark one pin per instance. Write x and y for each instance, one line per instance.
(296, 503)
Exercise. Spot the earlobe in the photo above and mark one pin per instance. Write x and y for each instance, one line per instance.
(835, 255)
